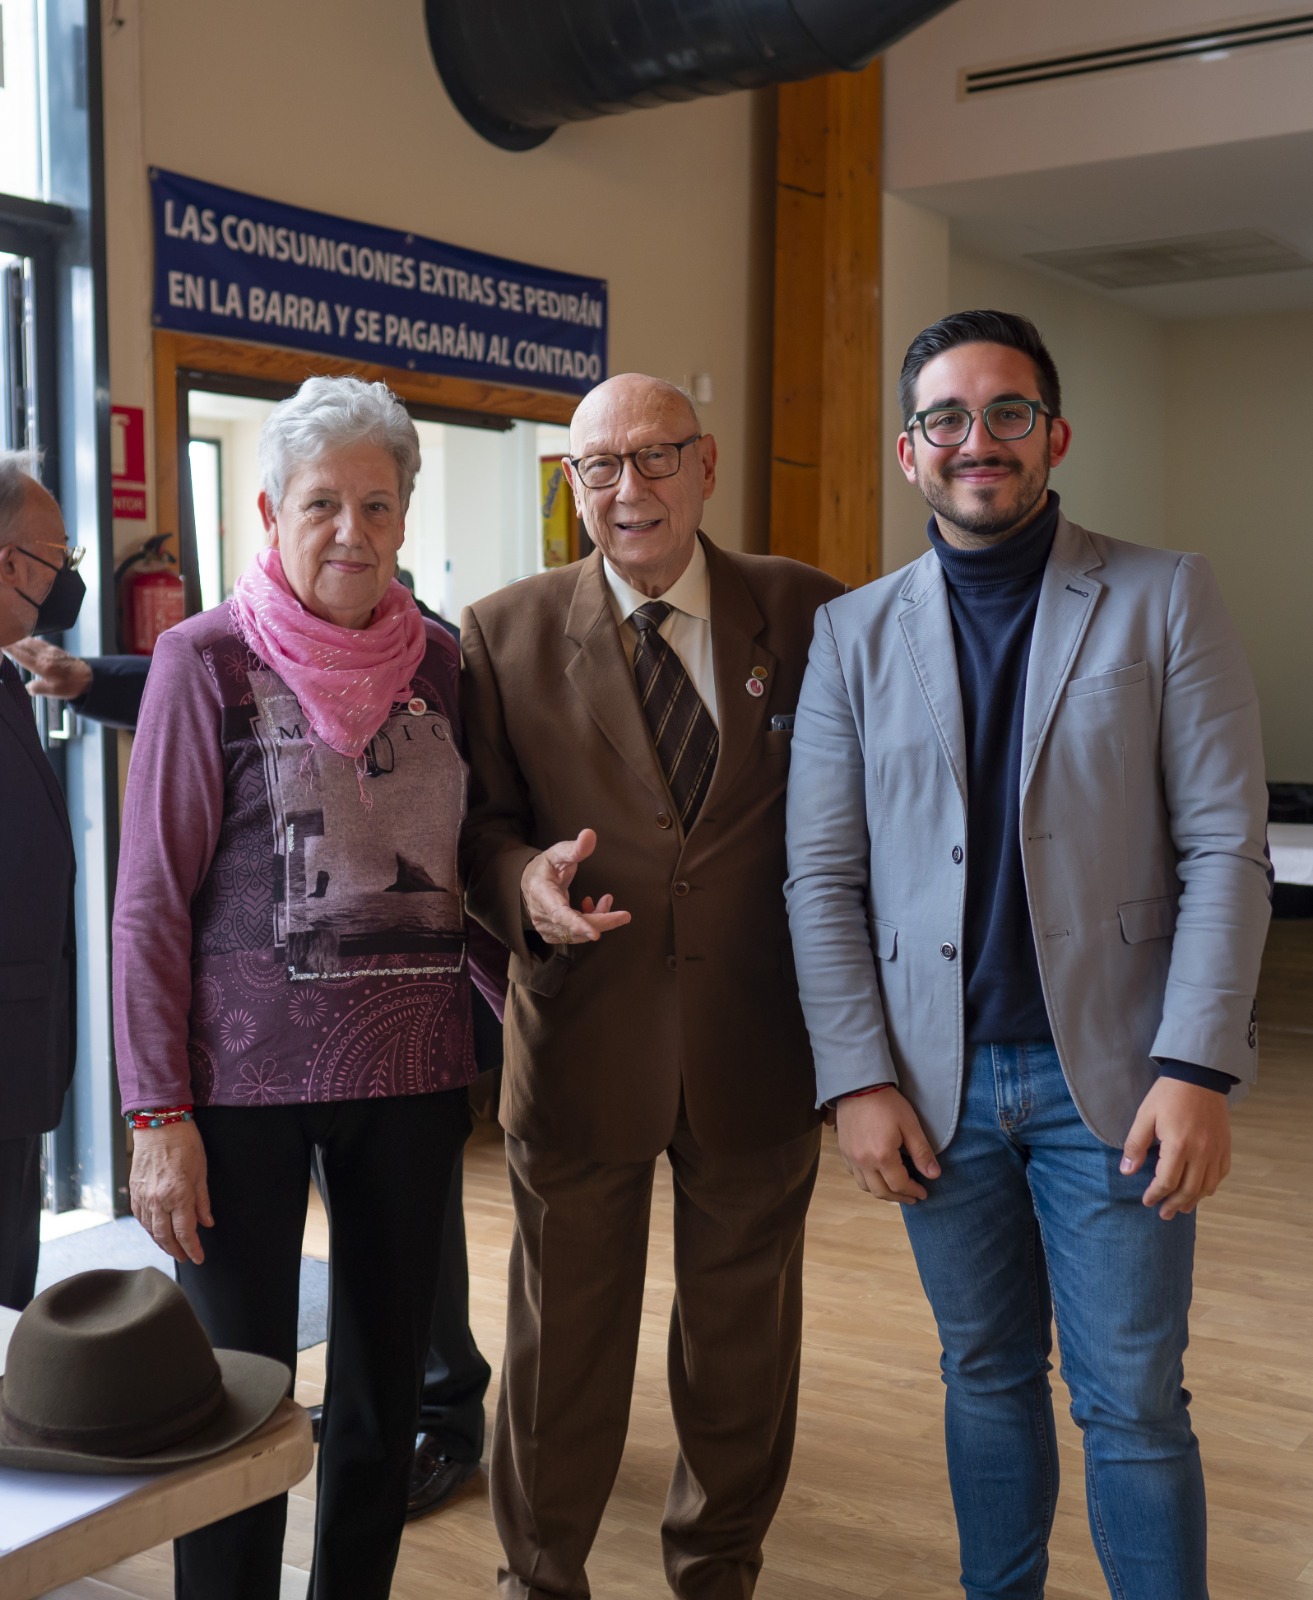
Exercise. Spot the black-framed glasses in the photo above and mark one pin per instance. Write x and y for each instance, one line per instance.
(652, 461)
(72, 557)
(1005, 420)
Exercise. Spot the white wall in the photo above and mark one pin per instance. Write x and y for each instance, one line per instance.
(1239, 433)
(338, 106)
(935, 137)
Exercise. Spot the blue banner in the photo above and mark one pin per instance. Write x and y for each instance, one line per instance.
(234, 266)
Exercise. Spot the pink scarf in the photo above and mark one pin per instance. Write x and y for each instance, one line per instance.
(346, 679)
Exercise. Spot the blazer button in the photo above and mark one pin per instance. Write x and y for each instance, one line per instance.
(948, 951)
(681, 888)
(672, 962)
(957, 854)
(663, 819)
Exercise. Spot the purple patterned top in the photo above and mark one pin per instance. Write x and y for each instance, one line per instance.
(288, 929)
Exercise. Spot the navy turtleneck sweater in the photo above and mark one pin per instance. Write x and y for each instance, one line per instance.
(992, 597)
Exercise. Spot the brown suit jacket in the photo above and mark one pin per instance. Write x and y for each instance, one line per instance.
(697, 994)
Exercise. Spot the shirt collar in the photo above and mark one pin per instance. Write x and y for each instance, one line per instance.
(690, 592)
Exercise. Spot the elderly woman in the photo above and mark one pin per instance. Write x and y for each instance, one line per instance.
(291, 970)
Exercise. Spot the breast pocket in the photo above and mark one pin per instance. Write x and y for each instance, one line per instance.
(1101, 682)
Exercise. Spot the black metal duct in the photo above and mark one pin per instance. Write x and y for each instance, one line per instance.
(517, 69)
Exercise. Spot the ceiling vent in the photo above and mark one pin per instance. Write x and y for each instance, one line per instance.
(1238, 253)
(1210, 44)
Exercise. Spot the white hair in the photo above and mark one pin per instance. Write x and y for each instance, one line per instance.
(327, 413)
(17, 475)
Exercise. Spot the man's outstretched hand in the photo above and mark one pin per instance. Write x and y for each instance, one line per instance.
(545, 890)
(57, 673)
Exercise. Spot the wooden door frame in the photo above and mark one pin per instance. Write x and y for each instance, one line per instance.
(229, 358)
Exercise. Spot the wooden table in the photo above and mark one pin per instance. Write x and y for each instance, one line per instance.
(264, 1464)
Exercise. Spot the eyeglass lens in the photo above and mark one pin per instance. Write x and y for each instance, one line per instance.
(653, 461)
(1005, 419)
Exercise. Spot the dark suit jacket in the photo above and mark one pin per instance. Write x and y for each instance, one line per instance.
(696, 997)
(117, 685)
(37, 957)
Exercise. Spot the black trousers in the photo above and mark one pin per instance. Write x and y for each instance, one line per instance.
(456, 1375)
(20, 1218)
(386, 1170)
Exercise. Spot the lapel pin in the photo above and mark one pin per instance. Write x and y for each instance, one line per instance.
(416, 707)
(760, 674)
(755, 687)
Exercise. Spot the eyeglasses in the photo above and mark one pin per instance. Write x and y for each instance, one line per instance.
(652, 461)
(1005, 420)
(72, 558)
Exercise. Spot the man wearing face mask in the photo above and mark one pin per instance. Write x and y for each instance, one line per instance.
(40, 592)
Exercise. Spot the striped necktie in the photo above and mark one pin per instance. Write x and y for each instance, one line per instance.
(685, 737)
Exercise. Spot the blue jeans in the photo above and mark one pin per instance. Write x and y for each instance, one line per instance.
(1031, 1221)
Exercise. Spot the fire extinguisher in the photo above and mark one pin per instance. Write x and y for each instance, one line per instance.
(150, 596)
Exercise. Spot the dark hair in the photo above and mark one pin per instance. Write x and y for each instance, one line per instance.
(978, 327)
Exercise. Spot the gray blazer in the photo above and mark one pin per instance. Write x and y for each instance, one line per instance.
(1143, 810)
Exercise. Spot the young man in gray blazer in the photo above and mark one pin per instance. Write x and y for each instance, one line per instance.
(1028, 894)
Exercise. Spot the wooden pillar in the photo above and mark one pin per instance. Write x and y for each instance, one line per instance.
(825, 421)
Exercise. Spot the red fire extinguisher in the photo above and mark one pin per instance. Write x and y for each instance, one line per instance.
(150, 596)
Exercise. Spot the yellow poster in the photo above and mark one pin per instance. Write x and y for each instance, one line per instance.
(557, 511)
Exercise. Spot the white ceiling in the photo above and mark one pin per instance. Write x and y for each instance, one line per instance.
(1147, 153)
(1260, 183)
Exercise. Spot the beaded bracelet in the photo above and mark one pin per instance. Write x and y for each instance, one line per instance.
(873, 1088)
(159, 1117)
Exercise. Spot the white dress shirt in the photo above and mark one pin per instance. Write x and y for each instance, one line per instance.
(687, 630)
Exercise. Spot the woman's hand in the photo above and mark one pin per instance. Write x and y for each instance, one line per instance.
(170, 1198)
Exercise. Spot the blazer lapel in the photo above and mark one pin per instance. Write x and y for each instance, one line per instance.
(927, 629)
(1067, 597)
(603, 678)
(735, 625)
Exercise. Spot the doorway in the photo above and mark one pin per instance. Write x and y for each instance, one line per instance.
(475, 520)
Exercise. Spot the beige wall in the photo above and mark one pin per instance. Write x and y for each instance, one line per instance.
(337, 106)
(1239, 432)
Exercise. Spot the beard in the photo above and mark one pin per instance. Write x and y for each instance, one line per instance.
(991, 513)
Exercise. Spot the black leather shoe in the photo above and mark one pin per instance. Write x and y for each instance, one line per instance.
(434, 1478)
(316, 1417)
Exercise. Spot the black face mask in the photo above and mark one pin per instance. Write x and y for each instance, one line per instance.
(59, 610)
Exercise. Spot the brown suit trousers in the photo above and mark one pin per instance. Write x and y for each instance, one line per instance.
(680, 1033)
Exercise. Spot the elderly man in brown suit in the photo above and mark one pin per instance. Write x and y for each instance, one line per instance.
(629, 721)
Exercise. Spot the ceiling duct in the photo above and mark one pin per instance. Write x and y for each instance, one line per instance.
(517, 69)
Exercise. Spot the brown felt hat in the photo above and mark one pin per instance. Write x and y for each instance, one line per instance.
(111, 1372)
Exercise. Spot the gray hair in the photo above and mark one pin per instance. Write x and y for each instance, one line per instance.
(17, 474)
(326, 414)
